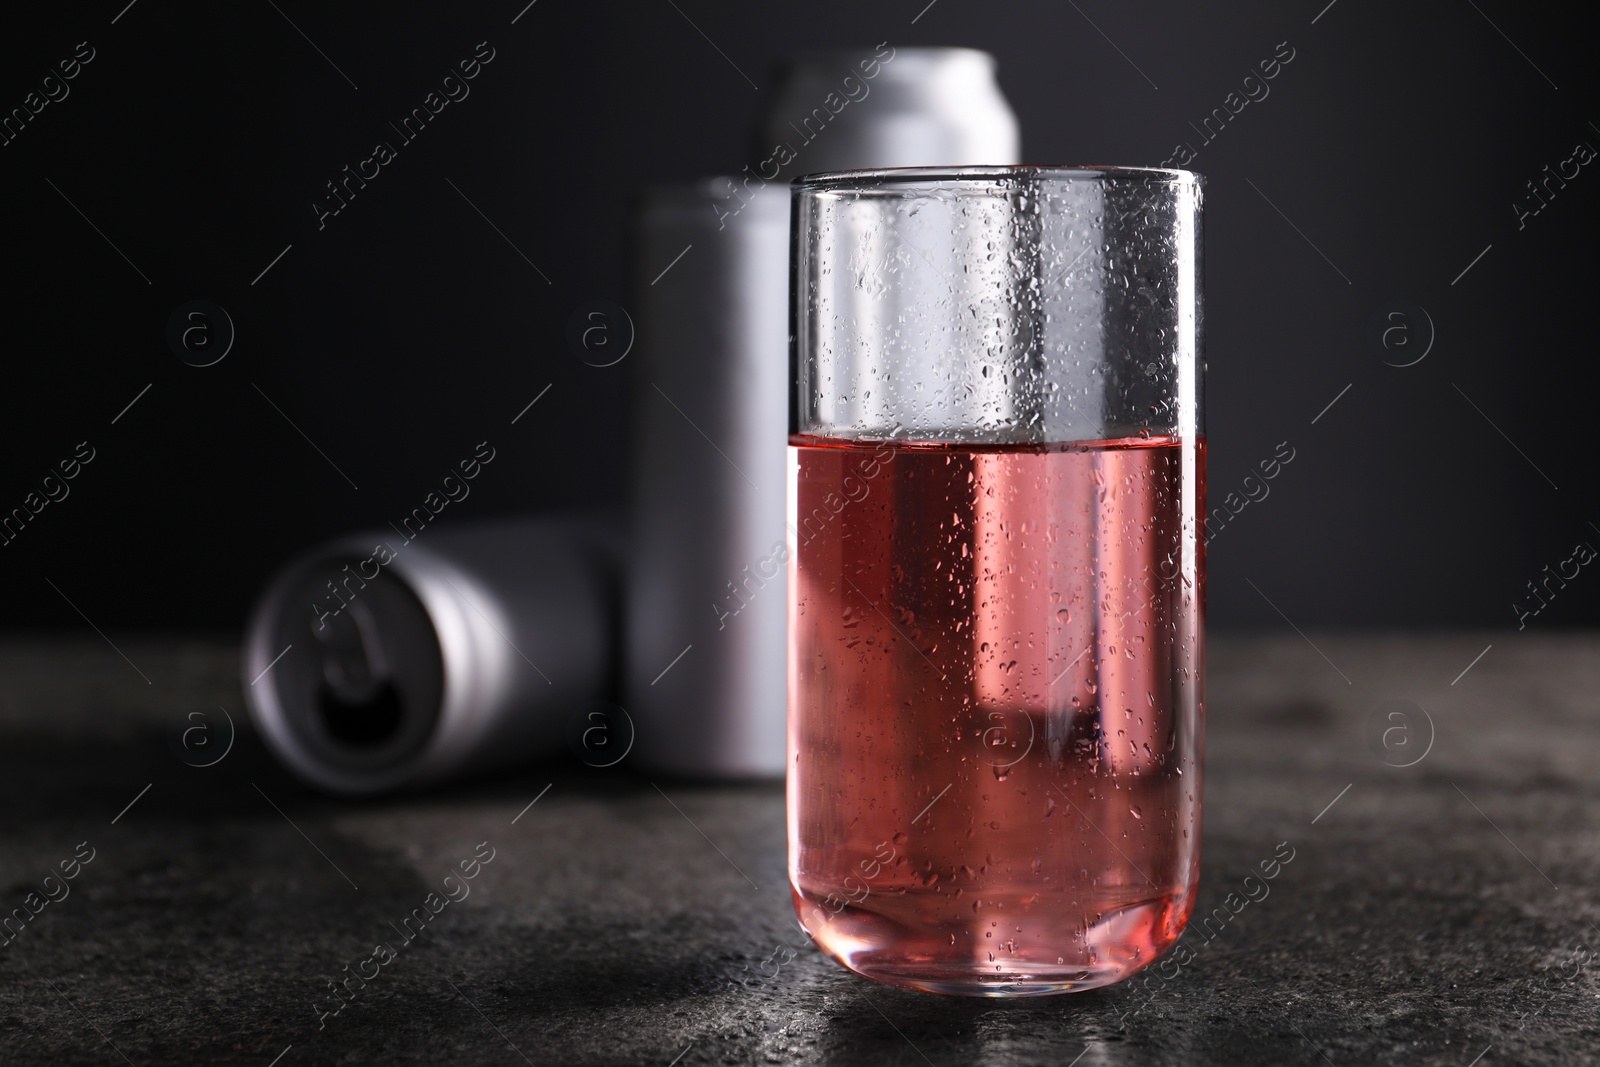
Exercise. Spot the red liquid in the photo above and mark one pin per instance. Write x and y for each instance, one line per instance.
(995, 708)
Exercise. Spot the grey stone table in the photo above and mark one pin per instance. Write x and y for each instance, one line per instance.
(1440, 913)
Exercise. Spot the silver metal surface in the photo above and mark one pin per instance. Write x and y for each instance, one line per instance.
(706, 617)
(919, 107)
(466, 648)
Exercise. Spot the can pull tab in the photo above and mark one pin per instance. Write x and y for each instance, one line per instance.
(353, 664)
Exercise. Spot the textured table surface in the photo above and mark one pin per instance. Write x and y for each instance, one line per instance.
(1446, 912)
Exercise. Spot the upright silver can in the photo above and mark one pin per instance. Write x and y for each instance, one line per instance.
(706, 615)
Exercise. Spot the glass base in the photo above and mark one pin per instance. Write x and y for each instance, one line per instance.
(973, 981)
(910, 956)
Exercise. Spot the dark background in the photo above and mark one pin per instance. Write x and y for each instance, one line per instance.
(407, 330)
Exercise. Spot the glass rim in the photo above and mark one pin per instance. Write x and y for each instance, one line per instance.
(914, 177)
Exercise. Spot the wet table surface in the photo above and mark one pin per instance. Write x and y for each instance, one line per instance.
(1444, 912)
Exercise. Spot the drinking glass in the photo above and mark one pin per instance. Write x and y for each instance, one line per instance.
(997, 573)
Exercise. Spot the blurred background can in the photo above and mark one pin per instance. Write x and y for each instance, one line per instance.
(705, 618)
(373, 662)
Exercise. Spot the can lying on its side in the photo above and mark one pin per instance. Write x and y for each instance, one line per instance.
(373, 663)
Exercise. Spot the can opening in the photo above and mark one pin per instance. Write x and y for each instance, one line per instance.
(359, 696)
(361, 725)
(356, 699)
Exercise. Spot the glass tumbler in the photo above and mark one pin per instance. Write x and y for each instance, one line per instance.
(997, 573)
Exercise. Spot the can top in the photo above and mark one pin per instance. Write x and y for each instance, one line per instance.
(826, 59)
(883, 107)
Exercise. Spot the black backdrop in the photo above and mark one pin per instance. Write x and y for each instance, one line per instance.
(1388, 159)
